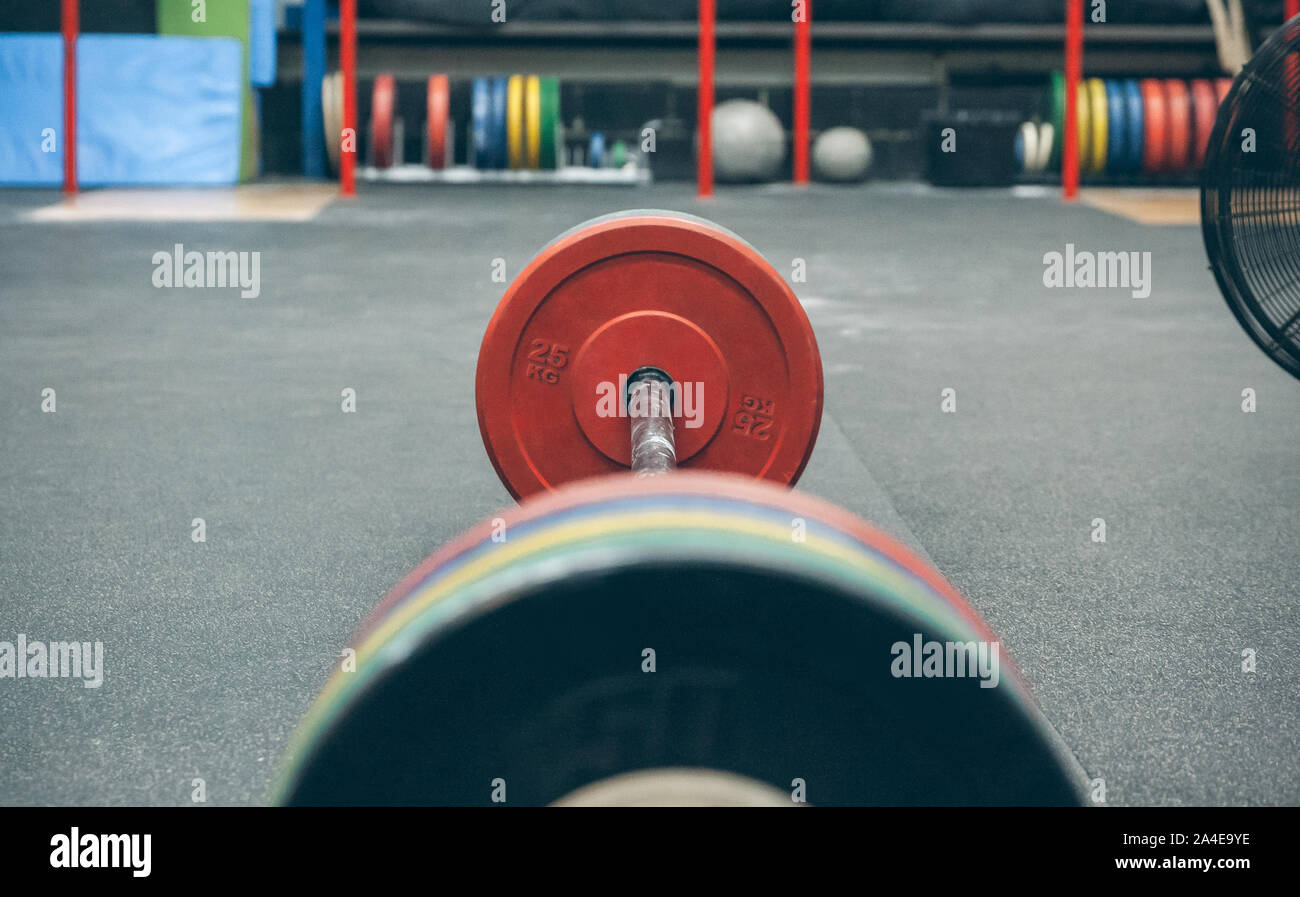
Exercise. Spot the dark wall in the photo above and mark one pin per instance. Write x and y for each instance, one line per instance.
(476, 12)
(137, 16)
(110, 16)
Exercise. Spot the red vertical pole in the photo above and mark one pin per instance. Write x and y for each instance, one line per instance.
(71, 20)
(1292, 9)
(802, 91)
(1073, 75)
(704, 101)
(348, 63)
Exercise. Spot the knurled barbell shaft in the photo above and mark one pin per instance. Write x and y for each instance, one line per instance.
(650, 410)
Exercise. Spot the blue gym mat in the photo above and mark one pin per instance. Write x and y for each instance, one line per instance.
(151, 110)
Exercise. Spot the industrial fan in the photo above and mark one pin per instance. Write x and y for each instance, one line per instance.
(1250, 197)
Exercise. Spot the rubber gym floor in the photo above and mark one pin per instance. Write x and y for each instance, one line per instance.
(1072, 404)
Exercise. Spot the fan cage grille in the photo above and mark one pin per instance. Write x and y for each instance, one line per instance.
(1250, 197)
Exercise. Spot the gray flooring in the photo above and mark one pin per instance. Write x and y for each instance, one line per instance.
(1072, 405)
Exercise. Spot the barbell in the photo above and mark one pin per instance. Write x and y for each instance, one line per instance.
(695, 632)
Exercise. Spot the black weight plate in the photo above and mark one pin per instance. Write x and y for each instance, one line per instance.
(774, 663)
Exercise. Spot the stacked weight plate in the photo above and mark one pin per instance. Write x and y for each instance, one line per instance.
(1097, 134)
(1130, 127)
(385, 130)
(696, 621)
(332, 116)
(1155, 127)
(550, 132)
(512, 124)
(1035, 143)
(516, 123)
(439, 133)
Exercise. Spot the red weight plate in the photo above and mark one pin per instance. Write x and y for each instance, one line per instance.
(638, 289)
(439, 106)
(1205, 108)
(1155, 125)
(1221, 87)
(1179, 153)
(383, 101)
